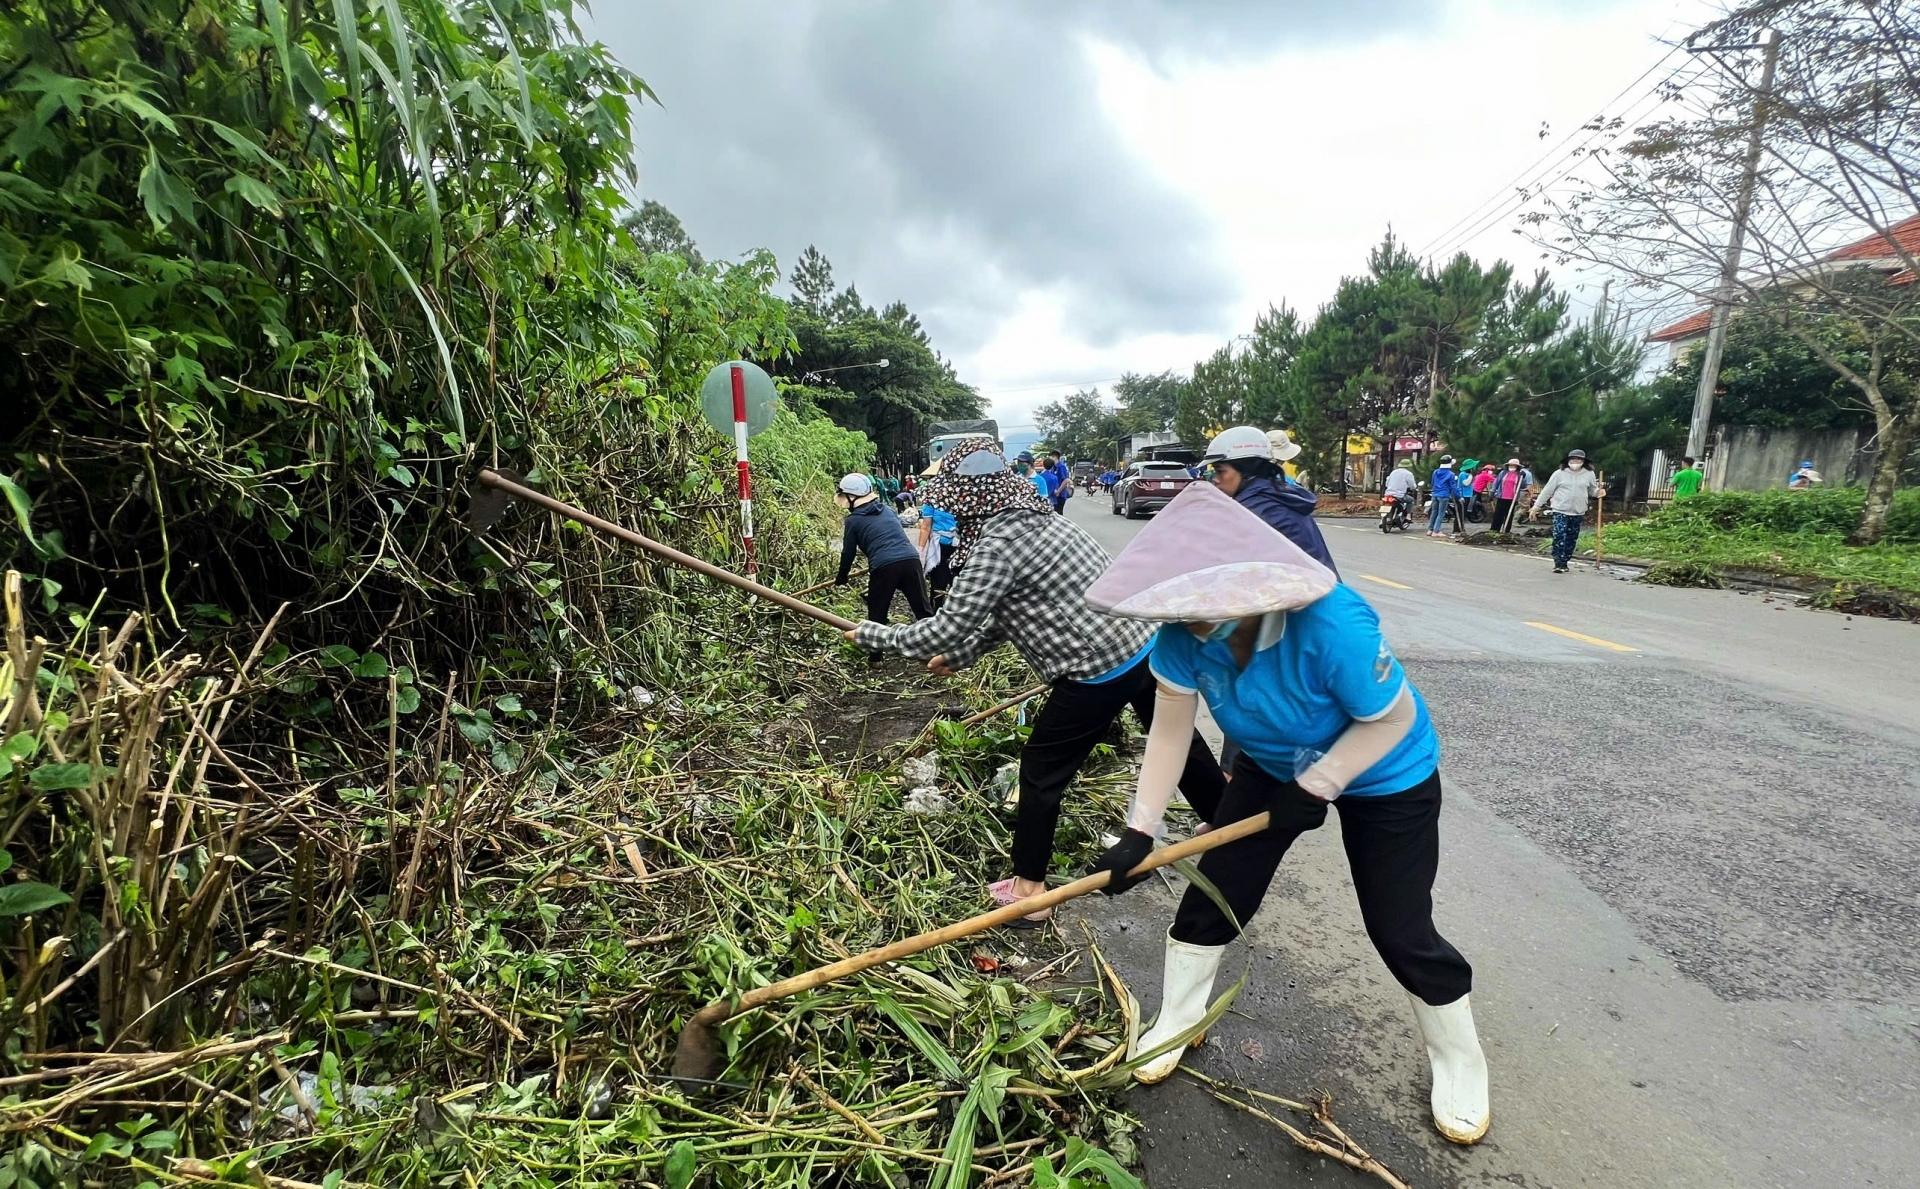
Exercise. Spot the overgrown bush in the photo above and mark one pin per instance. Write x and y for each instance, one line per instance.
(1831, 511)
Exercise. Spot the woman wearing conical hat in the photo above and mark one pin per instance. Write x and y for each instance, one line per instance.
(1294, 669)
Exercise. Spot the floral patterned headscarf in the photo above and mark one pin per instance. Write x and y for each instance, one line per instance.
(975, 492)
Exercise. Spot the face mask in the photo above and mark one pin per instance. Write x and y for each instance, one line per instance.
(1574, 464)
(1222, 630)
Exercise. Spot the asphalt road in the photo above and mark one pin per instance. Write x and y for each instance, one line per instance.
(1681, 847)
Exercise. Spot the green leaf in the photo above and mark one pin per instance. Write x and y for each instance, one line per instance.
(922, 1040)
(16, 751)
(6, 861)
(507, 703)
(22, 506)
(50, 778)
(477, 726)
(338, 656)
(371, 665)
(19, 899)
(277, 27)
(238, 141)
(138, 106)
(346, 25)
(406, 699)
(254, 192)
(65, 269)
(525, 122)
(163, 196)
(681, 1165)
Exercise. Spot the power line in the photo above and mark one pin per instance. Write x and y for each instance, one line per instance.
(1550, 157)
(1578, 155)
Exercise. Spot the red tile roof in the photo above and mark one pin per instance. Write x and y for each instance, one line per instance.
(1686, 328)
(1881, 245)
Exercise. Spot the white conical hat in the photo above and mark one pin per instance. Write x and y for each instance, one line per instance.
(1205, 558)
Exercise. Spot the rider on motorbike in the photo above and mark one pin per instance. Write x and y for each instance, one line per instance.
(1400, 488)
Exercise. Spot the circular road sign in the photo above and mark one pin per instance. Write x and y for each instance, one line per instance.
(716, 397)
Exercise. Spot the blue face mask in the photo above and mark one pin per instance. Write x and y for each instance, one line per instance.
(1222, 630)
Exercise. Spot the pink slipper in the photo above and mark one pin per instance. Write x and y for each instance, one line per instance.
(1003, 894)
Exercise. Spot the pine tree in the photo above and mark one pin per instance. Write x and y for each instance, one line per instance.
(812, 282)
(847, 307)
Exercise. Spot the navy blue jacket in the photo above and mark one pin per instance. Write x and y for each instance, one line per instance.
(874, 529)
(1288, 507)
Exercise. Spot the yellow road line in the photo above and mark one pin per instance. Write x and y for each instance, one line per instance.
(1387, 582)
(1584, 639)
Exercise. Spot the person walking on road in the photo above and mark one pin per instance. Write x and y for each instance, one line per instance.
(1687, 480)
(1293, 665)
(1446, 488)
(1246, 467)
(1566, 494)
(1508, 487)
(893, 564)
(1021, 574)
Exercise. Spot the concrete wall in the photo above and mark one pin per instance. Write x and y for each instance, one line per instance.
(1749, 458)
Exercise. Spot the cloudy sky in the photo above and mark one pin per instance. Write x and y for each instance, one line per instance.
(1064, 190)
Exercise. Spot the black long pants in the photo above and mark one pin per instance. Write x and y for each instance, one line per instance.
(1074, 719)
(903, 576)
(1503, 515)
(1393, 851)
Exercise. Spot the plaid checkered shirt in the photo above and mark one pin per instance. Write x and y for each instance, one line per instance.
(1023, 582)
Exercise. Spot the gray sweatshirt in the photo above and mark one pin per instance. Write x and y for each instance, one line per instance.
(1568, 491)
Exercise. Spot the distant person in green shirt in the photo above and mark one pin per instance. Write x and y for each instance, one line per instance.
(1687, 480)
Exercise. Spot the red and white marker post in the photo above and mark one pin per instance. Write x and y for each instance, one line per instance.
(739, 378)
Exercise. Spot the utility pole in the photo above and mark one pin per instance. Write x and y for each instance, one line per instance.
(1730, 265)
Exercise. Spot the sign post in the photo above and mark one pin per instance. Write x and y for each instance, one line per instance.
(737, 399)
(739, 378)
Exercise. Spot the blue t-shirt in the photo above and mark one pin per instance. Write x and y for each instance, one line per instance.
(1329, 667)
(1043, 481)
(944, 525)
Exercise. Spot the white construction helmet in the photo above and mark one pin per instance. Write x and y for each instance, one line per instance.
(1240, 442)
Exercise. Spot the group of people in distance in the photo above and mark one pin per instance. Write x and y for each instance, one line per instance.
(1566, 495)
(1229, 595)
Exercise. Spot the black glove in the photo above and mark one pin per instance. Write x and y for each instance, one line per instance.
(1122, 857)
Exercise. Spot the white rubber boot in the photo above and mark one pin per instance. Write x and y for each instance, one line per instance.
(1460, 1108)
(1186, 982)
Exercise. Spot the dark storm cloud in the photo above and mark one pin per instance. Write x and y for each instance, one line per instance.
(952, 154)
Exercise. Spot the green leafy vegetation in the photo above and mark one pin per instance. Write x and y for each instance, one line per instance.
(345, 846)
(1798, 533)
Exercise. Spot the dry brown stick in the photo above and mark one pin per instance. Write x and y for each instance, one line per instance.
(299, 1096)
(426, 813)
(1009, 704)
(1353, 1155)
(145, 1063)
(252, 787)
(820, 586)
(60, 988)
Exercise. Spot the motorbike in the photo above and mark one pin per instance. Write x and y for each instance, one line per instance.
(1396, 511)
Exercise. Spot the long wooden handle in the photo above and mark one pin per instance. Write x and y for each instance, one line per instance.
(725, 1009)
(1599, 513)
(518, 491)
